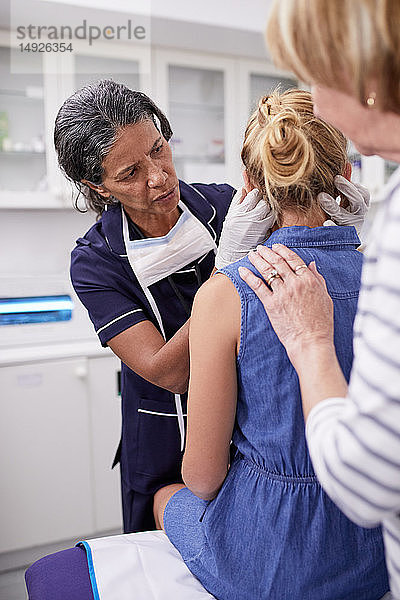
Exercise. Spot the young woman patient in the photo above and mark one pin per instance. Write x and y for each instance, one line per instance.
(253, 521)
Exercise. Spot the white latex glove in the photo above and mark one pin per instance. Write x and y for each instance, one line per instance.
(358, 197)
(246, 225)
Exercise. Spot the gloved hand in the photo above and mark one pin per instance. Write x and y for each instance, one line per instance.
(245, 226)
(358, 197)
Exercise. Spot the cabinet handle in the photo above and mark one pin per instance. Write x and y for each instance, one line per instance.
(81, 372)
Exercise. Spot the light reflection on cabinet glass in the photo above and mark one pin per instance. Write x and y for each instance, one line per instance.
(22, 146)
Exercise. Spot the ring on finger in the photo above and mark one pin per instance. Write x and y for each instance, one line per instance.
(299, 267)
(273, 275)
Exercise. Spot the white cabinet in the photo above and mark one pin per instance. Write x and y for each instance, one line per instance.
(33, 86)
(196, 111)
(206, 97)
(129, 65)
(22, 127)
(45, 454)
(208, 100)
(28, 173)
(105, 418)
(196, 92)
(257, 78)
(59, 426)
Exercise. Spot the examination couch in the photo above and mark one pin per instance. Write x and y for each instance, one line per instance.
(139, 566)
(60, 576)
(136, 566)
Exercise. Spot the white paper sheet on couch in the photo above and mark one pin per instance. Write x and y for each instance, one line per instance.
(140, 566)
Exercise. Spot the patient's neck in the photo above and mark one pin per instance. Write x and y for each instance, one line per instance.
(292, 218)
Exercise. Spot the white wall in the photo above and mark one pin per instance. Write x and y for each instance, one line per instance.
(238, 14)
(234, 28)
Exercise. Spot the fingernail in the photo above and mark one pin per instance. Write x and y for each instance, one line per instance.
(242, 271)
(276, 245)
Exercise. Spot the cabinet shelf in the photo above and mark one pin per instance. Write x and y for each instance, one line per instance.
(199, 158)
(21, 94)
(197, 107)
(24, 153)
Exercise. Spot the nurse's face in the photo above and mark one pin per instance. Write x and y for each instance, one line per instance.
(139, 171)
(371, 130)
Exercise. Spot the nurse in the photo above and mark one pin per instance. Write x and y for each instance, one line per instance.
(138, 268)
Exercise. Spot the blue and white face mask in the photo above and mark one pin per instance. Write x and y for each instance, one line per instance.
(153, 259)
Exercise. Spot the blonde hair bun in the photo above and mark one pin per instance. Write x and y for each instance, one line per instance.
(286, 152)
(291, 155)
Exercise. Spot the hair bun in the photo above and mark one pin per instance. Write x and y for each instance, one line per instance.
(291, 155)
(287, 153)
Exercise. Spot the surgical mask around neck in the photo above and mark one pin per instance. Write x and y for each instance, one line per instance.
(153, 259)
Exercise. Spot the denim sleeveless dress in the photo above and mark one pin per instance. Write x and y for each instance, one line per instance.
(272, 532)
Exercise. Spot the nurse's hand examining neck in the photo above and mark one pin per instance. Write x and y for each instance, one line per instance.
(246, 225)
(357, 198)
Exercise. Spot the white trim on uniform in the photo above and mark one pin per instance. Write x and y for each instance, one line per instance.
(118, 319)
(159, 414)
(192, 269)
(213, 209)
(213, 215)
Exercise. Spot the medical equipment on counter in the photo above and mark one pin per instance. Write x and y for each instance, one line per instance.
(38, 313)
(41, 309)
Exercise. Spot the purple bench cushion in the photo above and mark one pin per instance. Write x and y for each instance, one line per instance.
(62, 576)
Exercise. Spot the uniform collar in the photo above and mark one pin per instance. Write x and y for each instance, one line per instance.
(196, 202)
(303, 237)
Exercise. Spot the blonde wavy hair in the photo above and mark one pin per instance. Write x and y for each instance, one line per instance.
(290, 155)
(350, 45)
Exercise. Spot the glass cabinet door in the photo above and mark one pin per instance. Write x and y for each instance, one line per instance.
(89, 69)
(197, 115)
(260, 85)
(22, 124)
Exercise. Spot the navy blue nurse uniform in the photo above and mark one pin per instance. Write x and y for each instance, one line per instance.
(150, 449)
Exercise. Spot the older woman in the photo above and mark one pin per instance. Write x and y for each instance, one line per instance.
(350, 51)
(138, 268)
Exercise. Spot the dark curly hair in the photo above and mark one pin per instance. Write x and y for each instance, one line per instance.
(88, 124)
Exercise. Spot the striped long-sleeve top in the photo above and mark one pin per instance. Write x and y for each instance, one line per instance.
(354, 442)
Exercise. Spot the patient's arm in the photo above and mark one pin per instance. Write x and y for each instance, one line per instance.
(213, 341)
